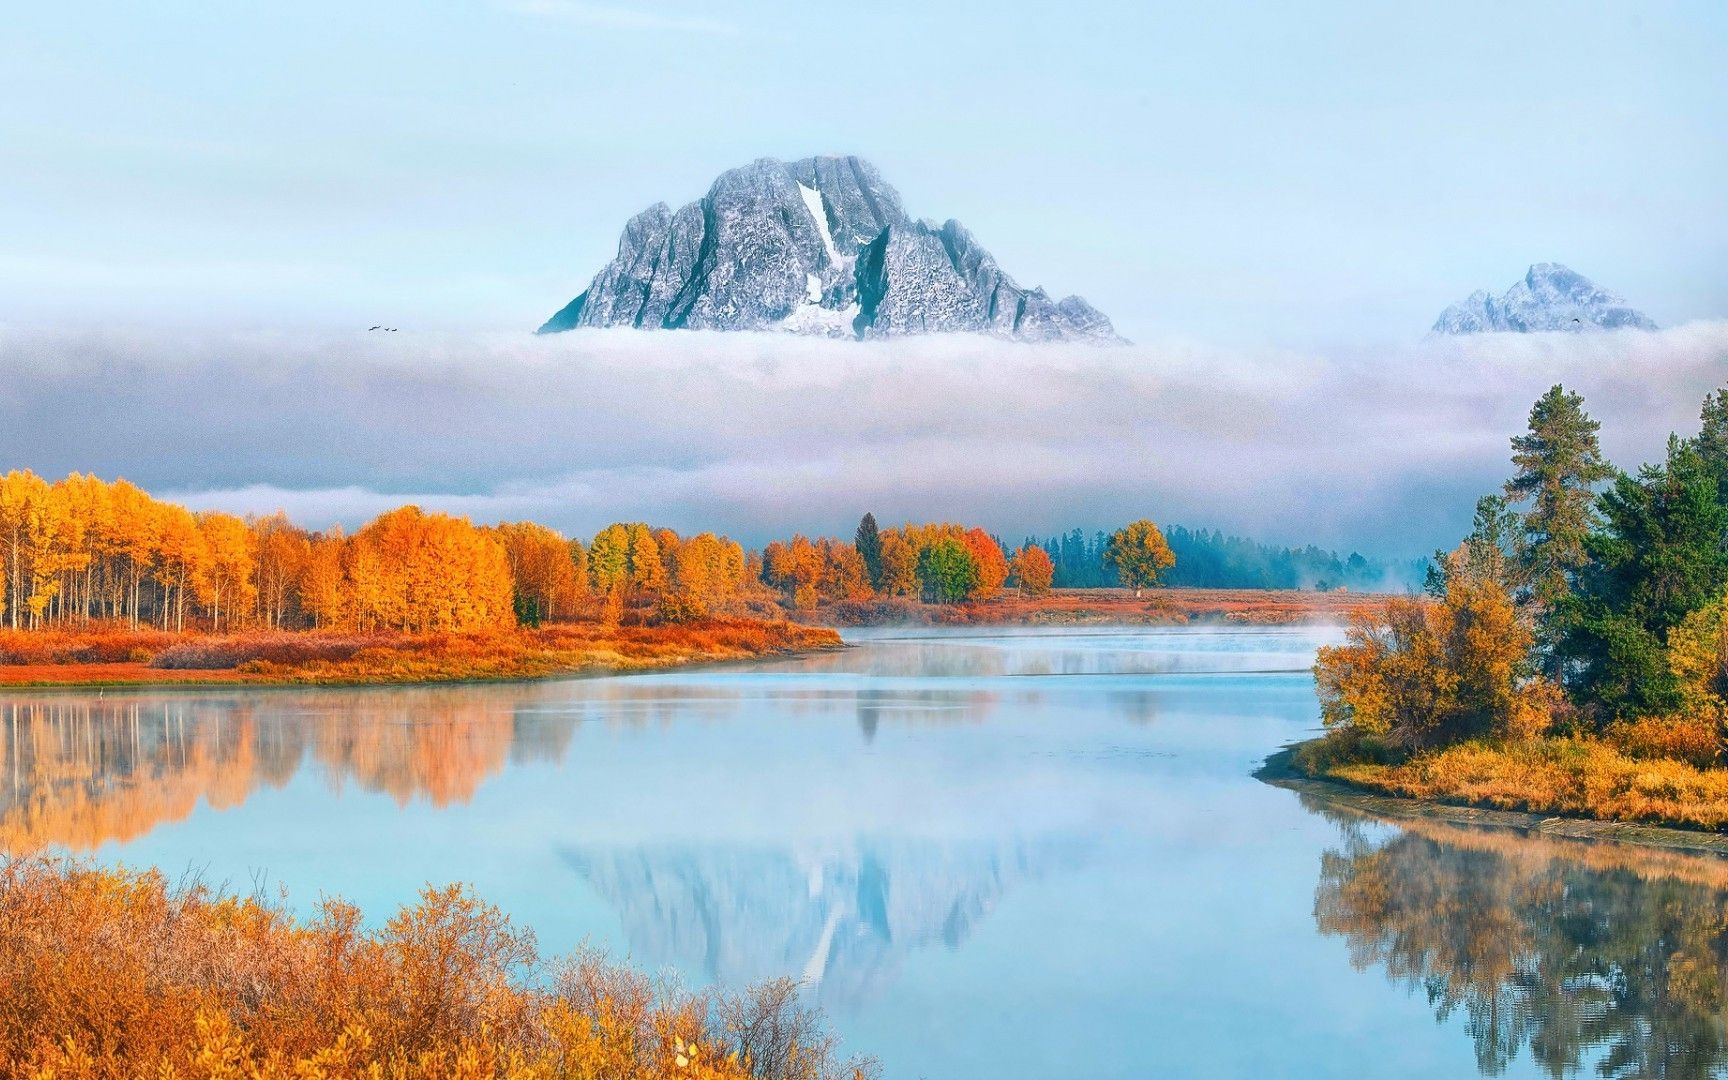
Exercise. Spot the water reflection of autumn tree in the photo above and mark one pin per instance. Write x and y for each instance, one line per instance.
(1581, 953)
(78, 771)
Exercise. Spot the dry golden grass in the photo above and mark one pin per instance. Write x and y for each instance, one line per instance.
(1580, 777)
(110, 974)
(111, 656)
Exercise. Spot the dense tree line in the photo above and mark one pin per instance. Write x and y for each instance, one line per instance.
(1209, 559)
(940, 563)
(81, 550)
(1584, 596)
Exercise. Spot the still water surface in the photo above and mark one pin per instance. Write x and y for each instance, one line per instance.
(988, 854)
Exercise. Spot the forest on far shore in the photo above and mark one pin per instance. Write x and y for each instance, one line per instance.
(1210, 559)
(83, 551)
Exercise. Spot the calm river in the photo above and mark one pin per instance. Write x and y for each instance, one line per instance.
(988, 854)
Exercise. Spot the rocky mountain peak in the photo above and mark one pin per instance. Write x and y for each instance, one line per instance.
(1550, 297)
(818, 246)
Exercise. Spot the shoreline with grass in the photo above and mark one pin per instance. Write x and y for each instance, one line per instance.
(1389, 795)
(148, 658)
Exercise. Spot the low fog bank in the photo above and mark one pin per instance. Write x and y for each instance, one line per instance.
(1378, 450)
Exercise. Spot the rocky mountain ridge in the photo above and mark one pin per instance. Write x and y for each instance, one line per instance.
(818, 246)
(1550, 297)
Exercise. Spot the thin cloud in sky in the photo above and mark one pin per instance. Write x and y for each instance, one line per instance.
(614, 17)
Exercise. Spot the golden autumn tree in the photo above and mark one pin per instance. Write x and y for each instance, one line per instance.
(707, 571)
(992, 564)
(899, 564)
(181, 562)
(23, 510)
(1698, 658)
(647, 571)
(283, 553)
(132, 544)
(843, 574)
(548, 585)
(423, 572)
(58, 555)
(1139, 553)
(1032, 570)
(795, 568)
(228, 586)
(324, 592)
(666, 541)
(609, 559)
(1430, 673)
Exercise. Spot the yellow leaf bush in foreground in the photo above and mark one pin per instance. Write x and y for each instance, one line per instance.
(110, 974)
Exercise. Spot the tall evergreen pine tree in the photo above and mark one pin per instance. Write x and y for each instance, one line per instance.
(868, 541)
(1559, 464)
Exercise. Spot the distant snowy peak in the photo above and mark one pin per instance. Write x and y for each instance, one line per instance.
(1551, 297)
(820, 246)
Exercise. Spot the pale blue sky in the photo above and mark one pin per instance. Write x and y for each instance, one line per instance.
(1264, 173)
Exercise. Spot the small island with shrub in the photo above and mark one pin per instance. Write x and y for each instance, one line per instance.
(1571, 658)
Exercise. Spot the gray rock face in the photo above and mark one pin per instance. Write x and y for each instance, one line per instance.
(818, 246)
(1551, 297)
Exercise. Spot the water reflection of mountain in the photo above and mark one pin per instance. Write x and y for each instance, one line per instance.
(79, 770)
(843, 921)
(1585, 955)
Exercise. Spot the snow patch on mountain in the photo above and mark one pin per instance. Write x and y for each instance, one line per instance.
(813, 201)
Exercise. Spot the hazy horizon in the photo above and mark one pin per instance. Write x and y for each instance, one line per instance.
(759, 435)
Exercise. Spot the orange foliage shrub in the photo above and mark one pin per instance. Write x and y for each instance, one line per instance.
(1690, 739)
(98, 645)
(206, 653)
(112, 974)
(1420, 674)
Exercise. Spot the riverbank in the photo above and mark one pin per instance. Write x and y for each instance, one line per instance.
(1112, 607)
(110, 657)
(1573, 787)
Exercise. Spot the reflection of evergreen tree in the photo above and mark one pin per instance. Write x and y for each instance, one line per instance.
(1574, 952)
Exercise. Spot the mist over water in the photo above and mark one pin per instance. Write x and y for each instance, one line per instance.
(1382, 450)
